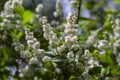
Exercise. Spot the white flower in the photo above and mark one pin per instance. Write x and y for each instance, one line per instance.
(55, 14)
(55, 51)
(25, 54)
(103, 44)
(39, 8)
(30, 42)
(61, 48)
(58, 4)
(68, 26)
(75, 46)
(91, 40)
(74, 39)
(103, 52)
(70, 31)
(2, 24)
(70, 55)
(44, 20)
(54, 38)
(39, 52)
(52, 42)
(69, 18)
(36, 45)
(6, 21)
(68, 39)
(117, 21)
(8, 6)
(92, 63)
(46, 26)
(28, 37)
(46, 59)
(17, 2)
(21, 46)
(33, 60)
(46, 36)
(86, 52)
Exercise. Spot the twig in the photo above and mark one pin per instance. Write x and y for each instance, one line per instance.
(79, 10)
(1, 74)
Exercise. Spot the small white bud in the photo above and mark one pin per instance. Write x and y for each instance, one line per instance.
(55, 14)
(44, 20)
(39, 8)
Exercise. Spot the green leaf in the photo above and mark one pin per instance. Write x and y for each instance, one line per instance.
(116, 71)
(27, 16)
(1, 19)
(95, 70)
(72, 77)
(106, 59)
(112, 70)
(86, 19)
(110, 11)
(19, 35)
(117, 1)
(5, 55)
(19, 10)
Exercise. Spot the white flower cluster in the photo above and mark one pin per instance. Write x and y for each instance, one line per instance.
(34, 46)
(92, 40)
(32, 42)
(17, 44)
(71, 33)
(116, 44)
(20, 47)
(8, 14)
(4, 35)
(4, 23)
(91, 62)
(103, 44)
(8, 7)
(48, 33)
(58, 11)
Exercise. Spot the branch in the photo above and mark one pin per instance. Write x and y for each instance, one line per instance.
(79, 10)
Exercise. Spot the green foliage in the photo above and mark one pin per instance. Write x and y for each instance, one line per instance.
(117, 2)
(95, 71)
(25, 15)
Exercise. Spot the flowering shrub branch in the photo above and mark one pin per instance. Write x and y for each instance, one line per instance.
(57, 53)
